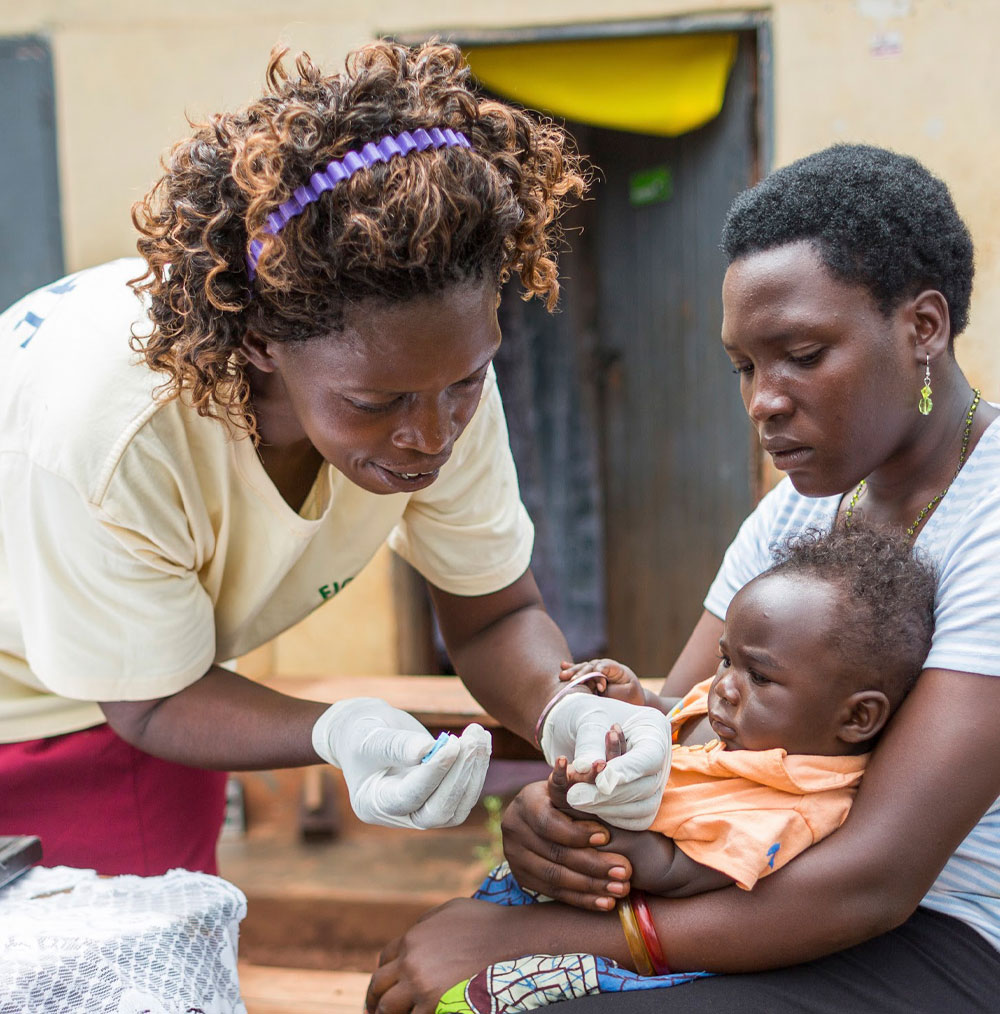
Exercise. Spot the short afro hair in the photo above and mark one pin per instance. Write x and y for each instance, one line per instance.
(887, 594)
(876, 219)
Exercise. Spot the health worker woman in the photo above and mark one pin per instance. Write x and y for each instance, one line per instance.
(200, 447)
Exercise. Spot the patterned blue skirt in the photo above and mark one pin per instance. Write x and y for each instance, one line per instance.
(535, 980)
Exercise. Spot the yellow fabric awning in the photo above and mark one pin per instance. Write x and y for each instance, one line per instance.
(661, 84)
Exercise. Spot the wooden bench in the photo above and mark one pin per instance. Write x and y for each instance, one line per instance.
(268, 990)
(438, 702)
(441, 703)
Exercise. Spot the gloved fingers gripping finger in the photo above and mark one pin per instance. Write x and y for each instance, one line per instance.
(592, 799)
(648, 757)
(454, 797)
(631, 814)
(589, 746)
(631, 791)
(398, 748)
(643, 724)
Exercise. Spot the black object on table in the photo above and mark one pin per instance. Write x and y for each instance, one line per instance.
(18, 853)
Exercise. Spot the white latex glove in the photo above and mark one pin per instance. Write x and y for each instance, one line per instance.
(379, 748)
(627, 792)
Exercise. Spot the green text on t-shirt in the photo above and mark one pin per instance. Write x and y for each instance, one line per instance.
(327, 591)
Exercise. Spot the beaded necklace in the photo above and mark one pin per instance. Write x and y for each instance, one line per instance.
(911, 531)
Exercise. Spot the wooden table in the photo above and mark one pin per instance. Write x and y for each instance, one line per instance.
(440, 703)
(301, 990)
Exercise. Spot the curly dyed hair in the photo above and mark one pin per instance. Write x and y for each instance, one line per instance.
(887, 596)
(399, 230)
(876, 219)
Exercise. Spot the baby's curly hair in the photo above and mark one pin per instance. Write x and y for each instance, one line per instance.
(402, 229)
(876, 218)
(887, 599)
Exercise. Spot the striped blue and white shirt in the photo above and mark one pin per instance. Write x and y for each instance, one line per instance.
(962, 539)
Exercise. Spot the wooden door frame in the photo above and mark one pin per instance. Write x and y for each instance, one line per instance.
(414, 641)
(757, 23)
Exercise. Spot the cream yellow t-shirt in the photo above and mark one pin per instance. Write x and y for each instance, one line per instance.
(141, 542)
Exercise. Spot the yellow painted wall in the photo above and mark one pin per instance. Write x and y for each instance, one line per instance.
(915, 75)
(354, 633)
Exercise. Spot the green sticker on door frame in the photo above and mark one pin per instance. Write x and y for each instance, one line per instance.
(650, 186)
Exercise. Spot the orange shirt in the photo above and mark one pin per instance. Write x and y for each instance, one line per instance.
(748, 812)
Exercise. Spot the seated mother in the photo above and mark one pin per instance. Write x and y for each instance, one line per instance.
(849, 277)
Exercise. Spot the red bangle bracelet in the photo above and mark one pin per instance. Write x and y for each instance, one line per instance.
(633, 938)
(648, 930)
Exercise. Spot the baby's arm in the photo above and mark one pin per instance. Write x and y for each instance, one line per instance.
(658, 865)
(618, 682)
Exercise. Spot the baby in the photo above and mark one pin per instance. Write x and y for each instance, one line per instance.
(815, 655)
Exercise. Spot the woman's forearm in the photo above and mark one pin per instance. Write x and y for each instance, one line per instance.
(786, 919)
(511, 668)
(222, 722)
(507, 650)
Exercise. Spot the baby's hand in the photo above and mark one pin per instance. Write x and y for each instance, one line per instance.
(615, 680)
(563, 776)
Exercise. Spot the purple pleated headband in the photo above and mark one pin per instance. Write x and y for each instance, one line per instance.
(342, 169)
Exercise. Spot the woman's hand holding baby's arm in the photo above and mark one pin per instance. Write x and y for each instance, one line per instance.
(557, 855)
(658, 865)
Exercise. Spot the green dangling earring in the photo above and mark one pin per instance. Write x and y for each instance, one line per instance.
(925, 404)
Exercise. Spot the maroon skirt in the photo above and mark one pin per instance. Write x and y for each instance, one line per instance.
(98, 803)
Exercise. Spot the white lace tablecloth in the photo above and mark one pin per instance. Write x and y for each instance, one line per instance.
(75, 942)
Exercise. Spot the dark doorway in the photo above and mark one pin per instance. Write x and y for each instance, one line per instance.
(632, 444)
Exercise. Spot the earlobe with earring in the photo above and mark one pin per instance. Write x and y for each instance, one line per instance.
(925, 404)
